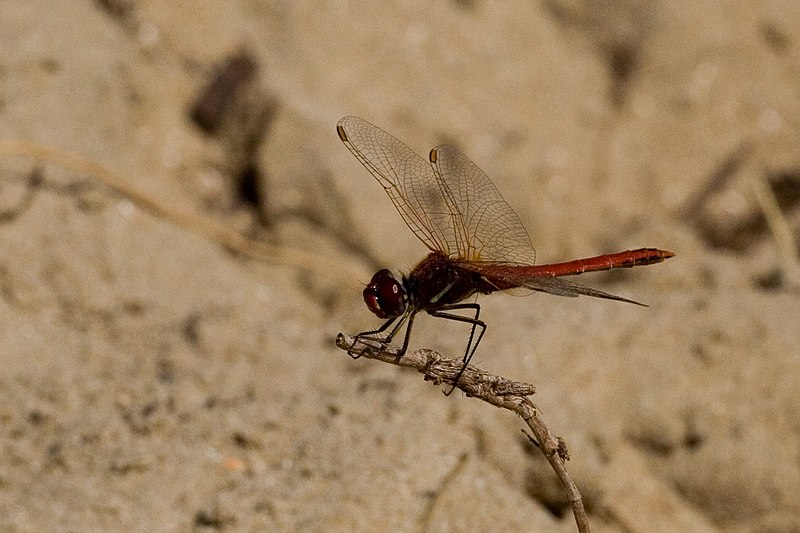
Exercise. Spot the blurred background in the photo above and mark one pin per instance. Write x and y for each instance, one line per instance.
(182, 235)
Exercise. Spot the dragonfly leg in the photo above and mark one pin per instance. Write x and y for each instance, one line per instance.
(375, 334)
(476, 323)
(402, 351)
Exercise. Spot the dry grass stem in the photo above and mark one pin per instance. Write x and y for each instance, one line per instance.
(781, 232)
(209, 228)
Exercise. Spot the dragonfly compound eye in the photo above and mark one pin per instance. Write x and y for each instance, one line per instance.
(385, 296)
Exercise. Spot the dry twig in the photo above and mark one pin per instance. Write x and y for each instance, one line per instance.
(496, 390)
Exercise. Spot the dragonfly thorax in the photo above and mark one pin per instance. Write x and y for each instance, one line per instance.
(385, 295)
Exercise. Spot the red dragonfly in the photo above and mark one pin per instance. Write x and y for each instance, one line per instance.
(477, 242)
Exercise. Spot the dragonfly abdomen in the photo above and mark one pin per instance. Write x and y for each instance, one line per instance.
(626, 259)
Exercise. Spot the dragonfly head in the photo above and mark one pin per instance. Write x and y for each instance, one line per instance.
(385, 295)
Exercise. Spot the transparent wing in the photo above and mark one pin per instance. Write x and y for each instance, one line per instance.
(489, 229)
(449, 203)
(410, 181)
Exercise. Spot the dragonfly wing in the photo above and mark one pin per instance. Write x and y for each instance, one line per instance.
(489, 229)
(408, 179)
(564, 287)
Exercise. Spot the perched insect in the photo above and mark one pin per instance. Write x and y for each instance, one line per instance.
(477, 242)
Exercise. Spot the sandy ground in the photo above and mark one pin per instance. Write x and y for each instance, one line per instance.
(156, 377)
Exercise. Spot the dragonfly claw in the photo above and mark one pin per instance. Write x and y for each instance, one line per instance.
(366, 344)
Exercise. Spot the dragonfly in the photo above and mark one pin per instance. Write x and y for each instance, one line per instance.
(477, 243)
